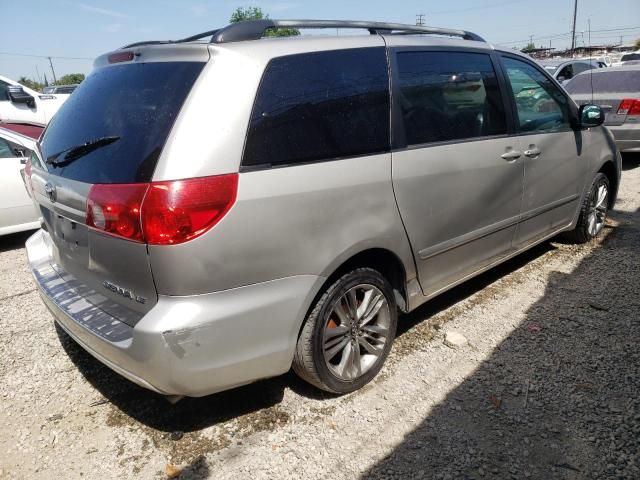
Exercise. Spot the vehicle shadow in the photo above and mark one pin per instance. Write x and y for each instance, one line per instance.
(630, 161)
(558, 398)
(14, 241)
(193, 414)
(153, 410)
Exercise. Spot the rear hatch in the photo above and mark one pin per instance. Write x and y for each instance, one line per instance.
(110, 132)
(607, 89)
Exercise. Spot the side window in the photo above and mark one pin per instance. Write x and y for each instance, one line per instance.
(580, 67)
(566, 73)
(5, 149)
(449, 96)
(320, 106)
(541, 105)
(3, 91)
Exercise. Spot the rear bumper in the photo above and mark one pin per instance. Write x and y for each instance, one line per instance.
(627, 137)
(192, 346)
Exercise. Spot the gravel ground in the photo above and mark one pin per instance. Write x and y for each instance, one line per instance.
(543, 385)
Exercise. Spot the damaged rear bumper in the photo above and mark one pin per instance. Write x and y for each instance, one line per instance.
(193, 345)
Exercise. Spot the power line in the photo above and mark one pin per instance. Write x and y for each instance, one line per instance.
(45, 56)
(569, 34)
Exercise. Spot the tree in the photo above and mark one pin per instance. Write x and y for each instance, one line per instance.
(32, 84)
(255, 13)
(71, 79)
(637, 44)
(529, 48)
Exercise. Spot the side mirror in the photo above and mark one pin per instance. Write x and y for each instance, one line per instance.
(591, 116)
(17, 95)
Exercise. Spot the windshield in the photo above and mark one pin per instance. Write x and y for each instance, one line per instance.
(133, 103)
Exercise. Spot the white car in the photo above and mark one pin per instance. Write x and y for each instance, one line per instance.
(17, 211)
(22, 105)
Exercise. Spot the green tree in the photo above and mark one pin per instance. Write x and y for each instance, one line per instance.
(529, 48)
(29, 83)
(255, 13)
(637, 44)
(70, 79)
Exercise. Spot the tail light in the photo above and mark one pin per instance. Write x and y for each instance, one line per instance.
(161, 213)
(629, 106)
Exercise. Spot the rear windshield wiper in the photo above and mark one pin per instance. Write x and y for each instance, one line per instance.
(73, 153)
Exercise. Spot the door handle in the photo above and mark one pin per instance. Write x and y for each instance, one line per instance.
(511, 155)
(532, 152)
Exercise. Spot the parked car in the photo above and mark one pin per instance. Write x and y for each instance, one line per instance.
(564, 70)
(291, 196)
(31, 131)
(17, 210)
(617, 91)
(22, 105)
(629, 57)
(66, 89)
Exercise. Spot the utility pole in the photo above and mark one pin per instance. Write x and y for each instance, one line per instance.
(38, 72)
(573, 30)
(52, 70)
(420, 19)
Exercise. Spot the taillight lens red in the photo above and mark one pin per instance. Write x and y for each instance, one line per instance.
(161, 213)
(115, 209)
(629, 106)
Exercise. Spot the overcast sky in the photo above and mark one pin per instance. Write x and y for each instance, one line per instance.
(82, 30)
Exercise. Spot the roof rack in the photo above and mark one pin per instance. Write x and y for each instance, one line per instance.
(255, 30)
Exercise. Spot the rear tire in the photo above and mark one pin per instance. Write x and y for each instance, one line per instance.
(347, 337)
(593, 212)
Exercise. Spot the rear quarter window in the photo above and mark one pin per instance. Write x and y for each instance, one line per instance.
(320, 106)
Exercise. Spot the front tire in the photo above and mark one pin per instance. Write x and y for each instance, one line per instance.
(348, 335)
(593, 212)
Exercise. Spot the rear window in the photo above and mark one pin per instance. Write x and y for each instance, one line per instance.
(630, 56)
(320, 106)
(616, 81)
(123, 114)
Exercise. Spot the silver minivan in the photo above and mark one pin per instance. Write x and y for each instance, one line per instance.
(223, 208)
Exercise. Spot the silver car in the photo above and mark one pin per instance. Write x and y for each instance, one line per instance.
(221, 209)
(564, 70)
(617, 91)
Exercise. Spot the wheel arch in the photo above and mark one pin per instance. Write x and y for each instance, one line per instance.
(609, 169)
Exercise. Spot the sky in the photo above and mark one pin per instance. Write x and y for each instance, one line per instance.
(73, 33)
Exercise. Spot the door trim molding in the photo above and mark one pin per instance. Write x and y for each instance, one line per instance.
(548, 207)
(469, 237)
(474, 235)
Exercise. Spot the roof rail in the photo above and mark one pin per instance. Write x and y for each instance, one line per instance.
(255, 29)
(198, 36)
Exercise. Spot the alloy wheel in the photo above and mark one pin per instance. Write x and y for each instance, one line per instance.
(356, 332)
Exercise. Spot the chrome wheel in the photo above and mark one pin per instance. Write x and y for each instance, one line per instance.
(356, 332)
(597, 208)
